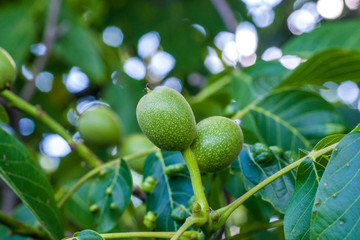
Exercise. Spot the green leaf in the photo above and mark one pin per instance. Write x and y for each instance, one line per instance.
(111, 192)
(3, 115)
(265, 77)
(335, 65)
(77, 207)
(298, 214)
(328, 140)
(30, 184)
(343, 34)
(169, 192)
(279, 192)
(18, 29)
(291, 119)
(78, 47)
(337, 214)
(88, 235)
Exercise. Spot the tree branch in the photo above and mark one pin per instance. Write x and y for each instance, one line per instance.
(226, 14)
(49, 37)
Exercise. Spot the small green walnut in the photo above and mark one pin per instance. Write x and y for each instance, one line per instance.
(100, 126)
(217, 143)
(7, 69)
(133, 144)
(166, 118)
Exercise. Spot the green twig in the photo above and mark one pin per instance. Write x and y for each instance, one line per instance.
(187, 224)
(19, 228)
(97, 170)
(196, 179)
(40, 115)
(225, 212)
(256, 229)
(167, 235)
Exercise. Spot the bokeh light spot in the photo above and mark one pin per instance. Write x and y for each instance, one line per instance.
(44, 81)
(348, 92)
(246, 39)
(54, 145)
(330, 9)
(113, 36)
(76, 81)
(148, 44)
(212, 62)
(272, 53)
(135, 68)
(26, 126)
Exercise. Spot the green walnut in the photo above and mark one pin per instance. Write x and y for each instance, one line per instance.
(217, 143)
(100, 126)
(7, 69)
(166, 118)
(136, 143)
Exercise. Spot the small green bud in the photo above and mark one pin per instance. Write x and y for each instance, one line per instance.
(196, 209)
(175, 169)
(94, 208)
(261, 153)
(215, 216)
(150, 220)
(109, 190)
(194, 236)
(277, 150)
(112, 206)
(148, 184)
(179, 214)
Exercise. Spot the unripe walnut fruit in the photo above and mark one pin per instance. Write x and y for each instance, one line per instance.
(166, 118)
(218, 142)
(7, 69)
(100, 126)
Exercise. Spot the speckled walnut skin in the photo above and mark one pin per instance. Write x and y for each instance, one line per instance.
(166, 118)
(217, 143)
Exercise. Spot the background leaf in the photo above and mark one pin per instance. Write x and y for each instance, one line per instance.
(279, 192)
(291, 119)
(344, 34)
(78, 47)
(18, 29)
(24, 215)
(29, 182)
(337, 214)
(3, 115)
(335, 65)
(169, 192)
(119, 180)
